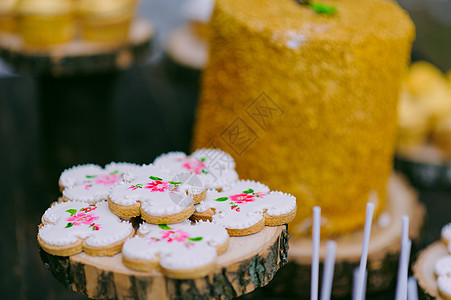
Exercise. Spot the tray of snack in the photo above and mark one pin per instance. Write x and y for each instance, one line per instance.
(432, 268)
(424, 135)
(184, 225)
(63, 37)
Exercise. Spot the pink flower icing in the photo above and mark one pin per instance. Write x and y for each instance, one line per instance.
(171, 235)
(82, 218)
(157, 186)
(108, 179)
(88, 209)
(242, 198)
(194, 165)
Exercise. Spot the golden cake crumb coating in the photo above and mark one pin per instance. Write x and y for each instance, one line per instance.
(306, 102)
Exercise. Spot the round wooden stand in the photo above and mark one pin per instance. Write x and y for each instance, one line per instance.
(250, 262)
(185, 48)
(423, 270)
(384, 248)
(78, 57)
(426, 166)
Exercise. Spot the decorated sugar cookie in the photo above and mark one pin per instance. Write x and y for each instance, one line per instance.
(91, 183)
(157, 195)
(181, 250)
(246, 208)
(443, 272)
(214, 167)
(71, 227)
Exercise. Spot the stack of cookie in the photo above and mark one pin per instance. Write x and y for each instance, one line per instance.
(432, 269)
(174, 215)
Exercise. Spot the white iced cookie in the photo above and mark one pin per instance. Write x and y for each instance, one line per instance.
(443, 266)
(91, 183)
(444, 286)
(158, 196)
(71, 227)
(214, 167)
(181, 250)
(246, 207)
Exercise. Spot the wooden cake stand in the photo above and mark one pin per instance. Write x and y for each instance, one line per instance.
(250, 262)
(186, 49)
(423, 270)
(383, 255)
(78, 57)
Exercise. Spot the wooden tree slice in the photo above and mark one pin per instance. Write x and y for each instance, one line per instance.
(383, 254)
(423, 270)
(78, 57)
(426, 166)
(187, 49)
(250, 262)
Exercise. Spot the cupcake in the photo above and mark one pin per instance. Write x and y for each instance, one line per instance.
(7, 16)
(428, 87)
(45, 22)
(442, 135)
(105, 21)
(413, 122)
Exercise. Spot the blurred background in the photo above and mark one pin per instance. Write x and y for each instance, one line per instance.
(48, 124)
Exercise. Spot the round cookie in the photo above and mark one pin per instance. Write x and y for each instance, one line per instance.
(182, 250)
(213, 166)
(71, 227)
(246, 207)
(91, 183)
(156, 195)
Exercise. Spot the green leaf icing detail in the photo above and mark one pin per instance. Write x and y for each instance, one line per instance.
(196, 239)
(155, 178)
(249, 191)
(205, 172)
(164, 227)
(69, 225)
(71, 211)
(175, 182)
(203, 159)
(115, 172)
(220, 199)
(323, 8)
(91, 176)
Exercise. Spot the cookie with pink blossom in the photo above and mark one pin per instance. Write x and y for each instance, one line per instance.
(71, 227)
(246, 207)
(182, 250)
(156, 195)
(213, 166)
(91, 183)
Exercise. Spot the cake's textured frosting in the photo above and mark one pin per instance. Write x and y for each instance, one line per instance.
(306, 102)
